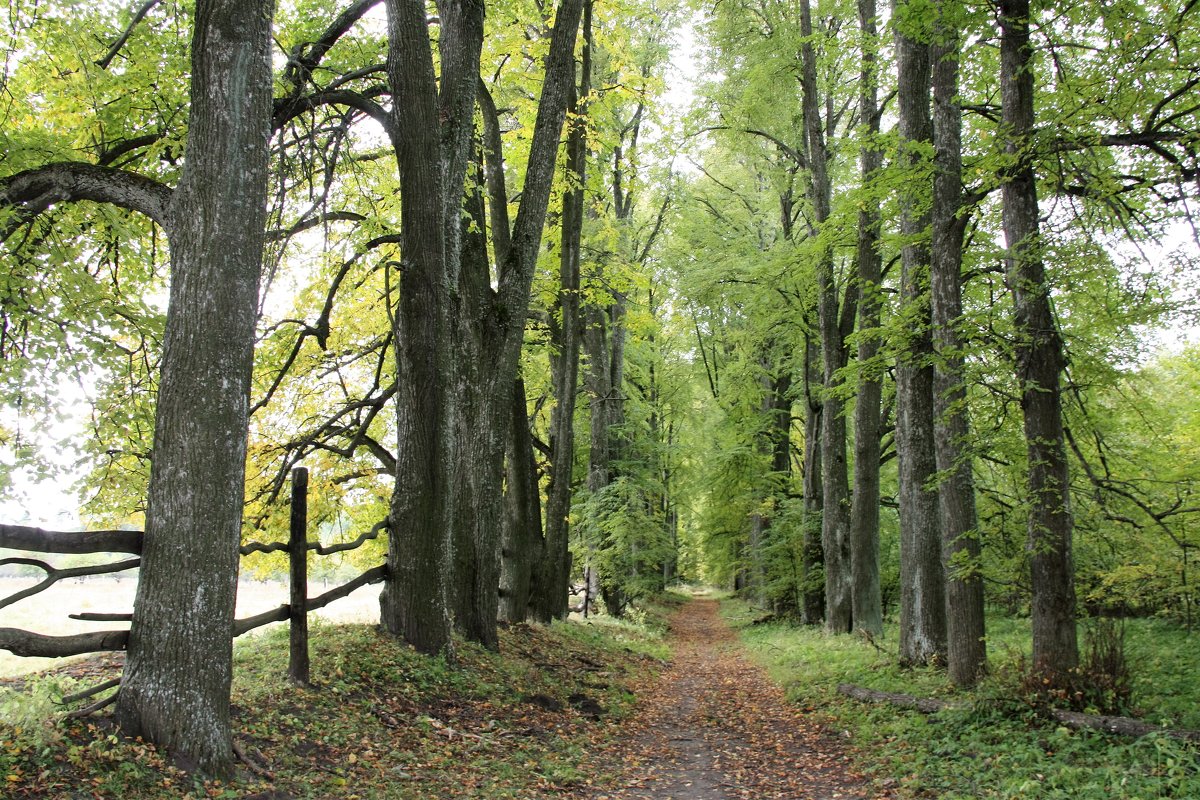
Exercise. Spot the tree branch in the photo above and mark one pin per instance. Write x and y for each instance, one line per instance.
(120, 42)
(69, 181)
(288, 108)
(20, 537)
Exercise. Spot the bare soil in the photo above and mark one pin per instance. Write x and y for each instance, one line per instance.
(714, 727)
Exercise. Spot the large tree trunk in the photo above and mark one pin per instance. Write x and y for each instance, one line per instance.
(966, 655)
(486, 408)
(491, 325)
(922, 581)
(1039, 360)
(755, 567)
(522, 546)
(867, 599)
(835, 519)
(175, 687)
(431, 137)
(457, 352)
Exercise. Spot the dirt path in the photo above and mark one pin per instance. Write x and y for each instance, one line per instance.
(715, 728)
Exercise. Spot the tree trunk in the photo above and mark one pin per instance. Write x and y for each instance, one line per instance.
(966, 654)
(1039, 360)
(522, 546)
(779, 436)
(491, 325)
(756, 574)
(175, 686)
(922, 581)
(867, 601)
(835, 519)
(431, 135)
(554, 589)
(812, 557)
(457, 352)
(603, 340)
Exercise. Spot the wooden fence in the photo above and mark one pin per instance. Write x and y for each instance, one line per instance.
(28, 643)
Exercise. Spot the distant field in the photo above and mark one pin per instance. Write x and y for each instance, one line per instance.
(47, 612)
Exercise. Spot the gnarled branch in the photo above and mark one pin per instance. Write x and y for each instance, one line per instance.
(36, 190)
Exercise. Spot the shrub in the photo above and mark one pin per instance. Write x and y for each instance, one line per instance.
(1101, 684)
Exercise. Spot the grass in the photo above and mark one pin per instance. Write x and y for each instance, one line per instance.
(380, 720)
(996, 746)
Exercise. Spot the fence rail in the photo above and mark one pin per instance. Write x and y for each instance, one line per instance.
(30, 539)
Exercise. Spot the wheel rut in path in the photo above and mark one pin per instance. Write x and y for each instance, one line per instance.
(714, 727)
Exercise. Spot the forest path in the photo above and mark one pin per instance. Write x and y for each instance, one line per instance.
(714, 727)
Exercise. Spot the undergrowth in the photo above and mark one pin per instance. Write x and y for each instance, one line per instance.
(379, 721)
(994, 743)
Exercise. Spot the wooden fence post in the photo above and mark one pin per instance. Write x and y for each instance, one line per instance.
(298, 559)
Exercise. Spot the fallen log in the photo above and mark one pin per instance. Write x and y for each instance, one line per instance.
(1121, 726)
(926, 705)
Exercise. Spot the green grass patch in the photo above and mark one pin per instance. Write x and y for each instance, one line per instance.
(994, 745)
(379, 721)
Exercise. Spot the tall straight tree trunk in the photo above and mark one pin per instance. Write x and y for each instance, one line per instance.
(867, 598)
(922, 578)
(755, 568)
(1039, 360)
(780, 435)
(835, 520)
(966, 648)
(602, 340)
(552, 601)
(431, 135)
(812, 558)
(175, 686)
(457, 340)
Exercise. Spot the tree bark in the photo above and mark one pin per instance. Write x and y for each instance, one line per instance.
(176, 682)
(812, 558)
(922, 578)
(867, 601)
(492, 324)
(966, 647)
(835, 519)
(564, 366)
(1039, 360)
(522, 546)
(415, 602)
(755, 570)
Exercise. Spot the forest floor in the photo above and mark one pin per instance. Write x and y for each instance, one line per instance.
(714, 727)
(594, 710)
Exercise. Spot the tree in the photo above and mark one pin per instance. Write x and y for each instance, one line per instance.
(867, 601)
(835, 519)
(175, 687)
(491, 330)
(457, 350)
(922, 591)
(966, 651)
(1039, 362)
(566, 333)
(430, 126)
